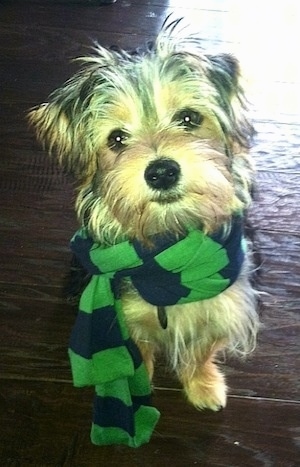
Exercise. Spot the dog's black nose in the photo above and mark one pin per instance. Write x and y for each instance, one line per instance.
(162, 174)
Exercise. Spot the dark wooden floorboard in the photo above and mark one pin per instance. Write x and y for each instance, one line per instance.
(44, 420)
(36, 409)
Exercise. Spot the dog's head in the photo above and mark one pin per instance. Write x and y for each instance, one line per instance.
(157, 140)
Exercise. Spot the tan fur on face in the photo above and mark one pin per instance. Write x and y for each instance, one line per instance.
(126, 204)
(142, 96)
(141, 99)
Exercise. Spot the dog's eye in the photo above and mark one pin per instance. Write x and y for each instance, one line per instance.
(117, 139)
(188, 118)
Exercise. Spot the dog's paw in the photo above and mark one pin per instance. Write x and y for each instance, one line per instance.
(207, 390)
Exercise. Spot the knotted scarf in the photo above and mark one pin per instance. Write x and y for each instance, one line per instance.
(175, 271)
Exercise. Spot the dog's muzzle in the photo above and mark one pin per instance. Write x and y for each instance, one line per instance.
(162, 174)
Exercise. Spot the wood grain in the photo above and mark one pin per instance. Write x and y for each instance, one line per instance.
(248, 432)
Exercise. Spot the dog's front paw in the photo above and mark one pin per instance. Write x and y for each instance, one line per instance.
(206, 389)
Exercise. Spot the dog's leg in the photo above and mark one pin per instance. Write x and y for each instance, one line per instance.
(204, 384)
(147, 352)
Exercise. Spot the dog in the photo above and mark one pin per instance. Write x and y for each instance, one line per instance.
(158, 141)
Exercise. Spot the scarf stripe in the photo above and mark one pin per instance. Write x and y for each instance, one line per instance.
(90, 335)
(141, 416)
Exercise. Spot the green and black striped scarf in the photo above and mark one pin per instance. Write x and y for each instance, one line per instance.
(195, 267)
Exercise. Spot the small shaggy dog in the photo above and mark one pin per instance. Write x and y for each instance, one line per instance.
(158, 141)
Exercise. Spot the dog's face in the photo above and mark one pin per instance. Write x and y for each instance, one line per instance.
(157, 140)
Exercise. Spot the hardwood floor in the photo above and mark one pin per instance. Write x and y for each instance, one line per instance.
(44, 420)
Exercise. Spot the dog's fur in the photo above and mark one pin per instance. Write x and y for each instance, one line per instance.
(112, 121)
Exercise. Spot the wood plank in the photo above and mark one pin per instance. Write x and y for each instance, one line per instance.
(150, 17)
(279, 271)
(48, 424)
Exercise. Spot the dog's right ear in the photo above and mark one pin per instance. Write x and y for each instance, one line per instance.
(53, 129)
(60, 127)
(63, 124)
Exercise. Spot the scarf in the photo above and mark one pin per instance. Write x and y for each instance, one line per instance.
(175, 271)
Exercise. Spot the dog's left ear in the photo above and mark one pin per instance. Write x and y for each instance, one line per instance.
(224, 73)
